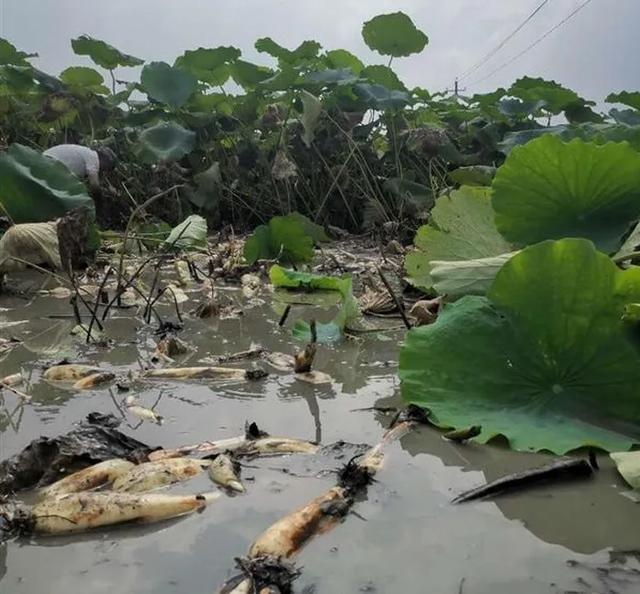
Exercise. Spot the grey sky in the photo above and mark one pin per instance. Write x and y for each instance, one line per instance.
(596, 52)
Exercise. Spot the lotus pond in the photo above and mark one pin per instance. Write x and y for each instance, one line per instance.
(311, 246)
(403, 535)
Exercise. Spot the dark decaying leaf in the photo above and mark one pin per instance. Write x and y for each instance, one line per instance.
(47, 459)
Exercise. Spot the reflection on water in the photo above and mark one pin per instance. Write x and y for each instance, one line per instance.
(404, 536)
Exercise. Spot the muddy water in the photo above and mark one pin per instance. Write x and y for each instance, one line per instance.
(404, 536)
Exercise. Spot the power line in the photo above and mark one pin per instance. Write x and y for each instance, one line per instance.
(504, 42)
(534, 44)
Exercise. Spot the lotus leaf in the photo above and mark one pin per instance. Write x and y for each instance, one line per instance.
(166, 141)
(549, 189)
(102, 53)
(543, 360)
(394, 35)
(461, 227)
(168, 84)
(36, 188)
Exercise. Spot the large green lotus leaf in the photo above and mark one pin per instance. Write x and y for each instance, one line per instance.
(383, 75)
(461, 227)
(208, 64)
(473, 175)
(630, 99)
(305, 51)
(340, 58)
(554, 96)
(394, 35)
(544, 360)
(249, 75)
(288, 238)
(10, 55)
(166, 141)
(548, 189)
(83, 79)
(102, 53)
(35, 188)
(598, 133)
(167, 84)
(190, 234)
(466, 277)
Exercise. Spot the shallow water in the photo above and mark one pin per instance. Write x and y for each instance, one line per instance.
(404, 536)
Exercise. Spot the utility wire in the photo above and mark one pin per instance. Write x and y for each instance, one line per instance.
(504, 42)
(534, 44)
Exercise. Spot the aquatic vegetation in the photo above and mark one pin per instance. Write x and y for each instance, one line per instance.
(544, 360)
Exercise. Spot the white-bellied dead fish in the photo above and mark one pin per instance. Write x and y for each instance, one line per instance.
(69, 372)
(253, 443)
(94, 380)
(15, 379)
(77, 512)
(289, 534)
(266, 446)
(227, 373)
(206, 447)
(142, 412)
(281, 361)
(88, 478)
(152, 475)
(224, 472)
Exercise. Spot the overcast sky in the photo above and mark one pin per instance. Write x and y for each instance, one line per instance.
(596, 52)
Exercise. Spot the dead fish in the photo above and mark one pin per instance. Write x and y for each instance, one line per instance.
(197, 373)
(281, 361)
(88, 478)
(93, 380)
(208, 447)
(12, 380)
(276, 445)
(146, 414)
(289, 534)
(152, 475)
(77, 512)
(224, 472)
(69, 372)
(461, 435)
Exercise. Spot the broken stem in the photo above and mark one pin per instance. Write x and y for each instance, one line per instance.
(394, 298)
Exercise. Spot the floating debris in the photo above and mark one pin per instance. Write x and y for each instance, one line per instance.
(226, 373)
(559, 470)
(146, 414)
(70, 372)
(89, 478)
(94, 380)
(461, 435)
(152, 475)
(226, 472)
(78, 512)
